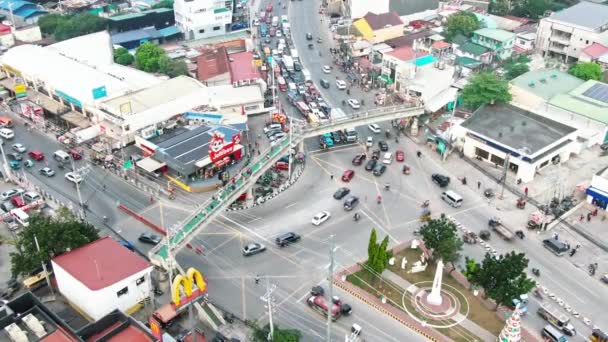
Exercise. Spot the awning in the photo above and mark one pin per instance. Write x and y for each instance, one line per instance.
(441, 99)
(87, 134)
(386, 79)
(76, 119)
(149, 164)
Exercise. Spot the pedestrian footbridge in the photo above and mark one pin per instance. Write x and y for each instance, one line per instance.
(208, 211)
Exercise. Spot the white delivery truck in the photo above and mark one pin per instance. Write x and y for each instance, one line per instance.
(295, 55)
(288, 62)
(557, 318)
(307, 76)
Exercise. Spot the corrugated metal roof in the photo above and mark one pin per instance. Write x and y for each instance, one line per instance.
(473, 49)
(585, 14)
(576, 102)
(496, 34)
(135, 35)
(169, 31)
(547, 83)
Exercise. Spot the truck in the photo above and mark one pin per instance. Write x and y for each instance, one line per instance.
(295, 55)
(556, 318)
(338, 309)
(307, 76)
(288, 62)
(500, 229)
(351, 135)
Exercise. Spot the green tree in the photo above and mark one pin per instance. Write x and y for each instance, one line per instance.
(533, 9)
(149, 57)
(55, 236)
(441, 235)
(372, 246)
(164, 4)
(499, 7)
(586, 71)
(377, 254)
(503, 279)
(516, 70)
(123, 57)
(70, 26)
(177, 68)
(280, 335)
(464, 23)
(485, 88)
(48, 23)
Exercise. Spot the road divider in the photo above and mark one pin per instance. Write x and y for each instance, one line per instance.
(142, 219)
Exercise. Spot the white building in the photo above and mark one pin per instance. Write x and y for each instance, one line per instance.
(566, 33)
(532, 142)
(103, 276)
(198, 19)
(597, 193)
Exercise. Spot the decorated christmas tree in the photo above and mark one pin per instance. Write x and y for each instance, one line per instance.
(512, 330)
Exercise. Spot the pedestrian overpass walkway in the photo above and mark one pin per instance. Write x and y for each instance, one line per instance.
(208, 211)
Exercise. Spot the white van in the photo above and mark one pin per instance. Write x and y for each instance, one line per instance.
(452, 198)
(61, 156)
(6, 133)
(21, 217)
(275, 21)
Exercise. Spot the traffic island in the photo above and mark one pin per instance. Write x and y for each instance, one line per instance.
(401, 294)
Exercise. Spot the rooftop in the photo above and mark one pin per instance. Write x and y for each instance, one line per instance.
(585, 14)
(140, 14)
(595, 50)
(242, 67)
(546, 83)
(404, 53)
(496, 34)
(473, 49)
(589, 100)
(101, 263)
(380, 21)
(212, 63)
(524, 130)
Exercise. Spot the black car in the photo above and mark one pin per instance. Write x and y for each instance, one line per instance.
(383, 145)
(371, 164)
(149, 238)
(359, 158)
(351, 202)
(604, 146)
(309, 36)
(340, 193)
(376, 154)
(440, 180)
(286, 239)
(379, 170)
(336, 137)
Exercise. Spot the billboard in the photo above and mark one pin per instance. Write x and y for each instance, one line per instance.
(219, 148)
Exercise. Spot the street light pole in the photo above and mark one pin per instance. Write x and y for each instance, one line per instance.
(330, 288)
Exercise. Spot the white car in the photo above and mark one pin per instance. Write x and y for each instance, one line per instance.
(256, 22)
(73, 177)
(374, 128)
(279, 33)
(320, 218)
(19, 148)
(370, 141)
(340, 84)
(327, 69)
(388, 158)
(10, 193)
(354, 104)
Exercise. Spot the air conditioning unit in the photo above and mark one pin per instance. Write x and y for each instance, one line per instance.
(16, 334)
(34, 324)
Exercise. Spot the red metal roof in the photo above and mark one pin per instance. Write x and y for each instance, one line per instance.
(242, 67)
(59, 336)
(130, 333)
(101, 263)
(405, 53)
(212, 63)
(440, 45)
(595, 50)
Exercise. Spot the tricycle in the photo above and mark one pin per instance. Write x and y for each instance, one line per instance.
(311, 46)
(521, 203)
(494, 222)
(520, 234)
(406, 170)
(469, 237)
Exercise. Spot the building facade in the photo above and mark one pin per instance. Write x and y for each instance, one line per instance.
(500, 42)
(566, 33)
(200, 19)
(597, 192)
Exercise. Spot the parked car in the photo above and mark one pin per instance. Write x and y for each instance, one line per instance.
(47, 171)
(253, 248)
(440, 180)
(321, 217)
(14, 156)
(399, 156)
(370, 141)
(73, 177)
(388, 158)
(31, 196)
(359, 158)
(37, 155)
(325, 83)
(383, 145)
(10, 193)
(374, 128)
(379, 170)
(348, 175)
(19, 148)
(371, 164)
(18, 201)
(341, 193)
(152, 239)
(286, 239)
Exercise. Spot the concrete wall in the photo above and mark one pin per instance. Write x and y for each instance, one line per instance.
(97, 304)
(580, 38)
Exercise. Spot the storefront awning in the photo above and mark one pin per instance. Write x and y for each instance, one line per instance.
(76, 119)
(386, 79)
(441, 99)
(149, 164)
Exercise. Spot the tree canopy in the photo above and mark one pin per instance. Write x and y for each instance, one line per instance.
(586, 71)
(123, 57)
(533, 9)
(152, 58)
(503, 279)
(55, 236)
(377, 254)
(280, 335)
(464, 23)
(441, 235)
(516, 66)
(63, 27)
(485, 88)
(164, 4)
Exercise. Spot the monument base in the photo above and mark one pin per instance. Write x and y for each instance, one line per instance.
(431, 307)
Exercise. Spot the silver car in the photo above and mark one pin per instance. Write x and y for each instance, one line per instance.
(253, 248)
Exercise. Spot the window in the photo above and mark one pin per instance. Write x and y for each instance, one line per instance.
(481, 153)
(201, 31)
(140, 281)
(123, 291)
(497, 160)
(216, 28)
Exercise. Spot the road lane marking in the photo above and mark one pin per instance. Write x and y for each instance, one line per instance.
(380, 227)
(290, 205)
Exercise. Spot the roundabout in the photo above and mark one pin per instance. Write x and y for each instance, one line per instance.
(454, 307)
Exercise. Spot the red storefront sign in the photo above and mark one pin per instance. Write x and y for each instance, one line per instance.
(219, 148)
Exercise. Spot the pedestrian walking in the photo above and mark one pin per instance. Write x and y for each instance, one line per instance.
(555, 236)
(526, 191)
(331, 176)
(257, 279)
(478, 185)
(588, 217)
(582, 218)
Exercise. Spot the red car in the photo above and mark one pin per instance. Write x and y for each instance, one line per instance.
(359, 158)
(282, 166)
(18, 201)
(400, 156)
(36, 155)
(75, 154)
(348, 175)
(269, 8)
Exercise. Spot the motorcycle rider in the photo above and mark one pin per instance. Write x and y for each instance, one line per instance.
(357, 216)
(379, 199)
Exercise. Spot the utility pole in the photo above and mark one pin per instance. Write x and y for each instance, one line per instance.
(267, 297)
(330, 291)
(504, 175)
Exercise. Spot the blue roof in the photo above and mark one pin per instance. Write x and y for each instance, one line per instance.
(169, 31)
(16, 4)
(134, 35)
(28, 12)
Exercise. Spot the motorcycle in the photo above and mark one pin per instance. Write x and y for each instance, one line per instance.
(387, 186)
(425, 204)
(357, 217)
(536, 272)
(538, 294)
(419, 154)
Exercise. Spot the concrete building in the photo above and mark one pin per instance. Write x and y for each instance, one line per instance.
(597, 192)
(534, 89)
(530, 141)
(462, 47)
(524, 42)
(377, 28)
(566, 33)
(597, 53)
(500, 42)
(22, 12)
(356, 9)
(198, 19)
(103, 276)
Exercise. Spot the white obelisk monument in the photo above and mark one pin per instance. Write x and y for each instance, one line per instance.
(435, 297)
